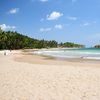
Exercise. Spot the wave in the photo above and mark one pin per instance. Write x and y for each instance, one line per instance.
(63, 53)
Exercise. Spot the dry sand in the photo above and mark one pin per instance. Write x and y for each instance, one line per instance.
(27, 77)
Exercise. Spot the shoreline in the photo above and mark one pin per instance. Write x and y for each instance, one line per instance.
(27, 57)
(75, 53)
(28, 54)
(80, 59)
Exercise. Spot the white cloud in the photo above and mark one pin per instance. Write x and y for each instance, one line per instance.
(86, 24)
(54, 15)
(5, 27)
(45, 29)
(72, 18)
(89, 23)
(14, 11)
(43, 0)
(58, 26)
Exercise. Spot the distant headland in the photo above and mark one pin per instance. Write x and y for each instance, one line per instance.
(97, 46)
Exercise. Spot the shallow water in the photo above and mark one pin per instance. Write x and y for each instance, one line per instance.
(89, 53)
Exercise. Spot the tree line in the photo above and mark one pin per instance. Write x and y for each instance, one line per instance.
(14, 40)
(71, 45)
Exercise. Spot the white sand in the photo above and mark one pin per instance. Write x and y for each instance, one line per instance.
(24, 81)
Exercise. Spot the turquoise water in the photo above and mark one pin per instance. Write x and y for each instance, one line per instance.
(93, 53)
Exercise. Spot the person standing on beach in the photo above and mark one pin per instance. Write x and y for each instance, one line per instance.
(5, 53)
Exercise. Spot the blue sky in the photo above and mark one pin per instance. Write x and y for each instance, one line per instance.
(61, 20)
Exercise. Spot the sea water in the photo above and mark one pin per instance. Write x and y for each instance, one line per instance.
(89, 53)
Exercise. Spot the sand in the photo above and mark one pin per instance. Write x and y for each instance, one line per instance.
(47, 79)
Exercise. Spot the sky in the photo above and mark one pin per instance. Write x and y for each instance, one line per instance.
(61, 20)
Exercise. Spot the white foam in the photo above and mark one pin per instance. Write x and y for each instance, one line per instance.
(91, 58)
(69, 54)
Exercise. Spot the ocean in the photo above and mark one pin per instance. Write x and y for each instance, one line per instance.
(89, 53)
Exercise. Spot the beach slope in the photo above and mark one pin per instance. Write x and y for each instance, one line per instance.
(20, 80)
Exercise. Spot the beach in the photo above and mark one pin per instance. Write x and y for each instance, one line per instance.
(32, 77)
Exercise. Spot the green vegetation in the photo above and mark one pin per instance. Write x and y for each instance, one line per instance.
(14, 40)
(70, 45)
